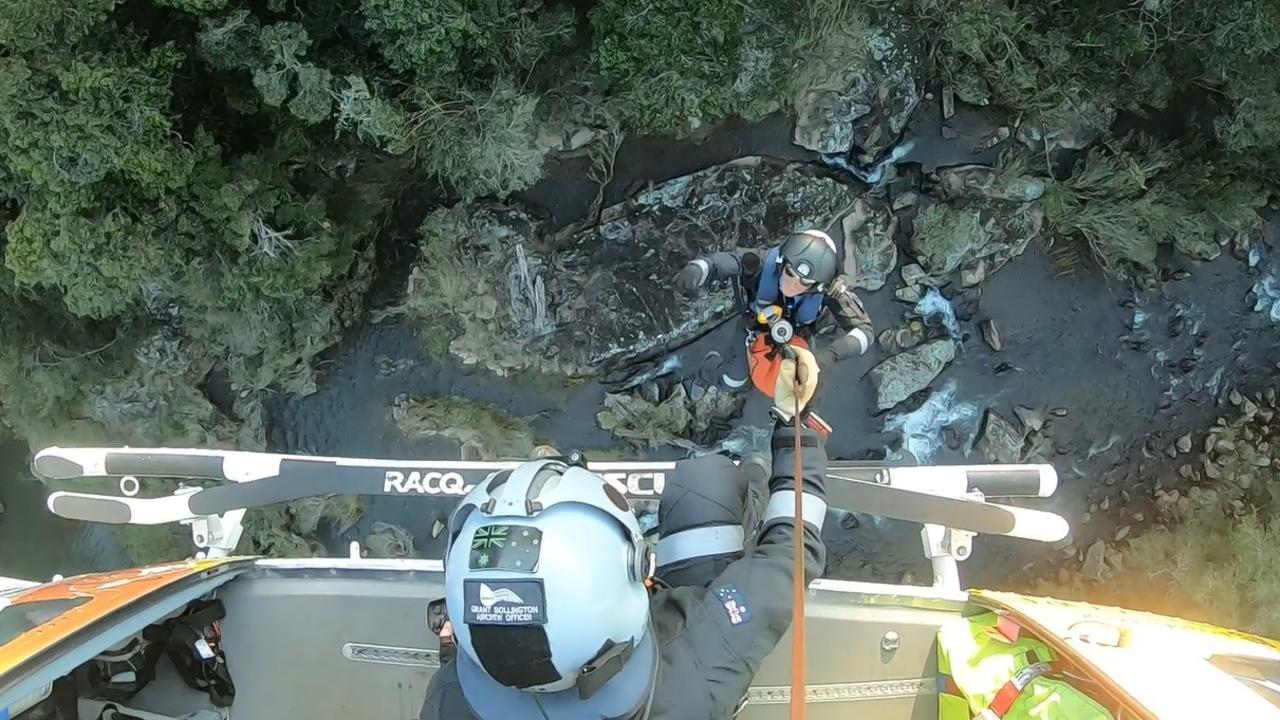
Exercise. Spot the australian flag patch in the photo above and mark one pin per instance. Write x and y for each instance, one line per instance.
(734, 606)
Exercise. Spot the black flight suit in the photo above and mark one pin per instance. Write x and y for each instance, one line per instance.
(721, 614)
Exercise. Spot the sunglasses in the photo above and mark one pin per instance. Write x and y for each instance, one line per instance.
(792, 274)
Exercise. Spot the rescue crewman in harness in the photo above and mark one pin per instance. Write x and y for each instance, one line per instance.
(801, 278)
(553, 613)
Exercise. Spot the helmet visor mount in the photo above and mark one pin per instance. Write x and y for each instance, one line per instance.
(801, 273)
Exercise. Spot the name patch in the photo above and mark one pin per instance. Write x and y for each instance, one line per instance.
(504, 602)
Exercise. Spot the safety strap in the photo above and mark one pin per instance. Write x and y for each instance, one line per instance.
(1011, 690)
(193, 642)
(797, 611)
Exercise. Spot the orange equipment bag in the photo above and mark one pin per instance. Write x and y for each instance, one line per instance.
(765, 362)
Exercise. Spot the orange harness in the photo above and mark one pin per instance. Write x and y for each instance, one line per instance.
(765, 362)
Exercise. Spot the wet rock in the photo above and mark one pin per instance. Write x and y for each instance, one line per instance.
(948, 103)
(483, 430)
(1031, 419)
(1122, 533)
(1235, 397)
(951, 438)
(1095, 566)
(991, 140)
(1106, 504)
(650, 392)
(825, 117)
(974, 275)
(905, 200)
(909, 294)
(577, 311)
(908, 337)
(913, 274)
(946, 238)
(1184, 443)
(1211, 470)
(984, 181)
(437, 527)
(902, 375)
(991, 334)
(870, 252)
(1248, 409)
(863, 104)
(1126, 497)
(1058, 412)
(949, 132)
(676, 420)
(1000, 441)
(1071, 126)
(898, 53)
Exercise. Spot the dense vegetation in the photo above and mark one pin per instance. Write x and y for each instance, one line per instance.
(190, 189)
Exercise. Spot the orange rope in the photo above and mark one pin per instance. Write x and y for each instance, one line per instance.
(797, 611)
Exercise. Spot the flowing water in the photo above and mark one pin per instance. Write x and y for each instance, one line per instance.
(1073, 342)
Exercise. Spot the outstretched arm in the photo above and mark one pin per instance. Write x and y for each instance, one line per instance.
(719, 266)
(748, 607)
(855, 334)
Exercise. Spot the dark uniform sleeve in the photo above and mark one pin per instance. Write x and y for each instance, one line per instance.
(740, 262)
(710, 507)
(854, 335)
(444, 699)
(748, 607)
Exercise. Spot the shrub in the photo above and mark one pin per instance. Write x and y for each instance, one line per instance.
(669, 64)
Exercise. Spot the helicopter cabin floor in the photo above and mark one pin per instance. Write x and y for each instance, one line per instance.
(318, 643)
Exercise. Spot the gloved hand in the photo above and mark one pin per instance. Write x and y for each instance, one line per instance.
(690, 278)
(801, 366)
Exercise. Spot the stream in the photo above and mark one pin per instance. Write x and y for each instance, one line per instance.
(1128, 367)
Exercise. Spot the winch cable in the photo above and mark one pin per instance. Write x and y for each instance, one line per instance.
(797, 610)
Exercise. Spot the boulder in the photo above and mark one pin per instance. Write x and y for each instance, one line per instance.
(825, 117)
(676, 420)
(869, 86)
(1000, 441)
(947, 237)
(601, 297)
(984, 181)
(870, 252)
(905, 374)
(1070, 126)
(897, 51)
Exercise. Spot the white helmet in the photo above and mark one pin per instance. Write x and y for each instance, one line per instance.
(544, 582)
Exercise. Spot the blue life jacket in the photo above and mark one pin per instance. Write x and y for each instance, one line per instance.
(801, 310)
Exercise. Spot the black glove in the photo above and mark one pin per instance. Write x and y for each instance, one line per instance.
(690, 278)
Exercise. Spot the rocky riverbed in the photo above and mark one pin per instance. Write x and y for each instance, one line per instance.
(988, 350)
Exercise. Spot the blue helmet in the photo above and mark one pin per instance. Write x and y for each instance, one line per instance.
(545, 585)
